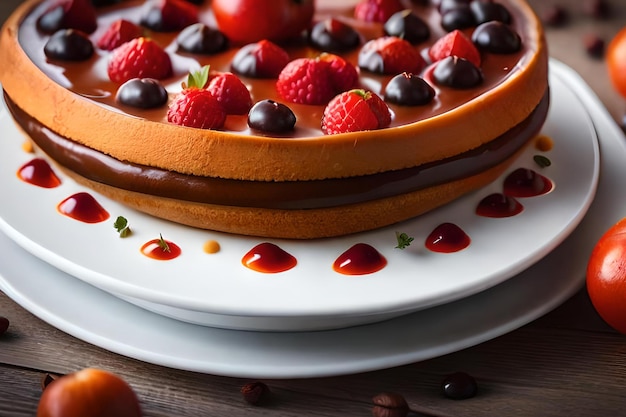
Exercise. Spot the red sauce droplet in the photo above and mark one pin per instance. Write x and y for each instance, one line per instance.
(447, 238)
(268, 258)
(38, 172)
(360, 259)
(525, 182)
(161, 249)
(498, 205)
(83, 207)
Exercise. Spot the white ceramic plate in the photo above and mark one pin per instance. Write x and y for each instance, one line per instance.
(218, 290)
(125, 329)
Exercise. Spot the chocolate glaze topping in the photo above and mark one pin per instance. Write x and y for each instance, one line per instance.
(99, 167)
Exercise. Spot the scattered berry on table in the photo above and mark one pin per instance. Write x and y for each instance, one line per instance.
(355, 110)
(4, 325)
(118, 33)
(376, 10)
(455, 43)
(263, 59)
(390, 55)
(169, 15)
(139, 58)
(459, 386)
(68, 14)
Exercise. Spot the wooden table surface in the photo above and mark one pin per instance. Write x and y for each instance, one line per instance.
(567, 363)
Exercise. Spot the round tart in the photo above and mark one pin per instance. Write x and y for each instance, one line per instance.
(298, 184)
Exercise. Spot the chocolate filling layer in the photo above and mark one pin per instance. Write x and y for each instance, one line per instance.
(98, 167)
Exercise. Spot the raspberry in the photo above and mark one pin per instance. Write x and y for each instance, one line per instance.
(120, 31)
(455, 43)
(354, 111)
(68, 14)
(344, 76)
(196, 107)
(316, 80)
(305, 81)
(390, 55)
(376, 10)
(263, 59)
(139, 58)
(231, 92)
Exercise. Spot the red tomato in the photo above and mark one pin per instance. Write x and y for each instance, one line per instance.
(606, 276)
(616, 61)
(89, 392)
(247, 21)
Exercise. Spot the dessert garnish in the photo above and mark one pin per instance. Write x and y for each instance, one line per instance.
(122, 227)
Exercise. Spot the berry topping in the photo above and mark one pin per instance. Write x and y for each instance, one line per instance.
(486, 11)
(457, 73)
(170, 15)
(408, 90)
(390, 55)
(447, 5)
(343, 75)
(460, 17)
(407, 25)
(69, 45)
(196, 106)
(139, 58)
(143, 93)
(201, 39)
(120, 31)
(272, 117)
(455, 43)
(376, 10)
(354, 111)
(232, 94)
(496, 37)
(306, 81)
(68, 14)
(333, 35)
(263, 59)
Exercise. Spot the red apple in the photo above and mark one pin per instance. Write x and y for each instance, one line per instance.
(89, 393)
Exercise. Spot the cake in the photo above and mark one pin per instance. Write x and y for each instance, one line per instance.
(301, 183)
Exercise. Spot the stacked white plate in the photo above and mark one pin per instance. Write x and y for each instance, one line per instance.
(191, 312)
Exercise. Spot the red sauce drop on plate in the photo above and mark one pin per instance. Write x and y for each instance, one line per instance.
(499, 205)
(360, 259)
(38, 172)
(83, 207)
(161, 249)
(525, 182)
(447, 238)
(268, 258)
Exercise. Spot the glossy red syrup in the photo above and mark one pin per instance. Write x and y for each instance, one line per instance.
(83, 207)
(524, 182)
(268, 258)
(38, 172)
(160, 249)
(360, 259)
(498, 205)
(447, 238)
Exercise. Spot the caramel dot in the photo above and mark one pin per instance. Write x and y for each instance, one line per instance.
(544, 143)
(27, 146)
(211, 246)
